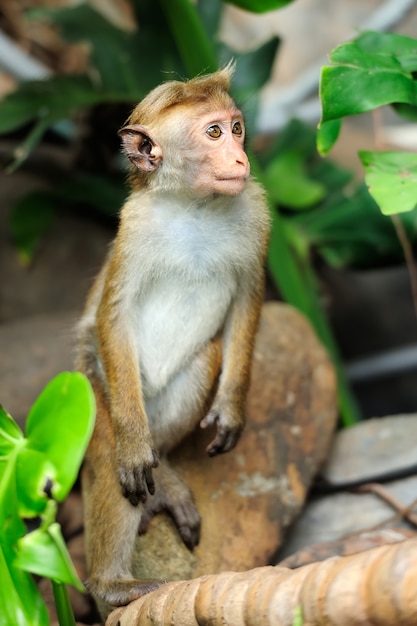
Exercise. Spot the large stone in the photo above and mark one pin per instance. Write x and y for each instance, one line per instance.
(366, 451)
(372, 448)
(249, 496)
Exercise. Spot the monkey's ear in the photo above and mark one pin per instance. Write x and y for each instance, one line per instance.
(142, 150)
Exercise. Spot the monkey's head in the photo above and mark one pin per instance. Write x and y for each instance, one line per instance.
(188, 138)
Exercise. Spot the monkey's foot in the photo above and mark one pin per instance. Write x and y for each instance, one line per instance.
(122, 591)
(173, 496)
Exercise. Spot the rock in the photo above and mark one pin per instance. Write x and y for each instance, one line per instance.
(249, 496)
(33, 350)
(365, 450)
(352, 544)
(372, 447)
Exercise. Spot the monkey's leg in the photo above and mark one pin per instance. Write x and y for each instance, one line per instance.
(172, 415)
(111, 522)
(173, 495)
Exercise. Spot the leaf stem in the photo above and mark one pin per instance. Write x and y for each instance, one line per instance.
(408, 255)
(63, 604)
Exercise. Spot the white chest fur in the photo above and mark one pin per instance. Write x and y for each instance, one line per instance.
(193, 260)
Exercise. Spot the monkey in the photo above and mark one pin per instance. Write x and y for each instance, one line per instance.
(167, 333)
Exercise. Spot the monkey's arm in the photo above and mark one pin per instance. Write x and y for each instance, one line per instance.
(228, 409)
(135, 455)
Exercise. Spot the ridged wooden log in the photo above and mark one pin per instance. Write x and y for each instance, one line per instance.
(377, 587)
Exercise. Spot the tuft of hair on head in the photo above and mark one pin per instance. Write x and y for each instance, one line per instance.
(213, 88)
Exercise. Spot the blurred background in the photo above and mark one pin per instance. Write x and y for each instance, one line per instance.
(70, 73)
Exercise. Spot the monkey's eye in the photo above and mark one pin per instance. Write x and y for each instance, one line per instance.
(237, 128)
(214, 131)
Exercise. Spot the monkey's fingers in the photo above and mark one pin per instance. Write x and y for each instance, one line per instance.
(210, 419)
(188, 521)
(148, 478)
(138, 480)
(224, 441)
(179, 503)
(133, 489)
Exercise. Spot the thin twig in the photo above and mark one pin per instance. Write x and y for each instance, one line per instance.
(403, 512)
(408, 255)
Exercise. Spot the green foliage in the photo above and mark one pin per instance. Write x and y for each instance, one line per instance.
(176, 38)
(375, 69)
(340, 221)
(392, 179)
(260, 6)
(295, 189)
(36, 472)
(33, 214)
(126, 65)
(30, 218)
(44, 103)
(122, 71)
(298, 616)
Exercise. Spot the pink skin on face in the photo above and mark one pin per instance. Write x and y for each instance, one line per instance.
(223, 166)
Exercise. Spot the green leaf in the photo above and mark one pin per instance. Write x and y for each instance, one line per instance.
(104, 194)
(45, 103)
(52, 99)
(63, 606)
(210, 12)
(349, 90)
(406, 111)
(130, 63)
(21, 603)
(10, 433)
(60, 424)
(327, 135)
(109, 45)
(298, 616)
(12, 443)
(193, 44)
(253, 70)
(29, 220)
(392, 179)
(34, 474)
(43, 552)
(288, 184)
(20, 600)
(349, 231)
(260, 6)
(373, 70)
(390, 48)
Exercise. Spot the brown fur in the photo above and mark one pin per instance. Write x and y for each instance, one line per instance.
(167, 334)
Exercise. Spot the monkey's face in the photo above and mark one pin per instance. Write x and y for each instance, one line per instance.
(197, 151)
(217, 160)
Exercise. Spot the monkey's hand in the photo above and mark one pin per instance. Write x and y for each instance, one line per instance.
(229, 421)
(134, 468)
